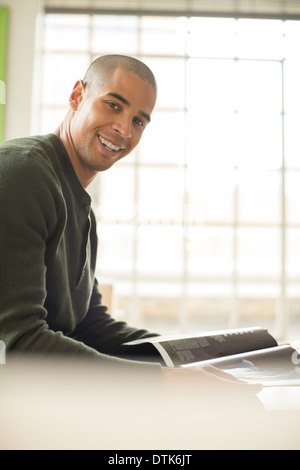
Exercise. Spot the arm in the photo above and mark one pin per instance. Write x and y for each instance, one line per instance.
(31, 215)
(27, 223)
(103, 333)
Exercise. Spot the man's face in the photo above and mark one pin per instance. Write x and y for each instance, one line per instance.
(108, 122)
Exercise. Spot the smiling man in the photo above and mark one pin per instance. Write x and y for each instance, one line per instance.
(109, 111)
(49, 298)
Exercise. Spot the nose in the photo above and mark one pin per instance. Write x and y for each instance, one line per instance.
(123, 126)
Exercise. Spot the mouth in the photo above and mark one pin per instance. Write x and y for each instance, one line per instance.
(109, 146)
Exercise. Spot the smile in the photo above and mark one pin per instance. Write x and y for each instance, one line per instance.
(109, 146)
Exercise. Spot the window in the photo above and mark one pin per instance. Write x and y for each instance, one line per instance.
(200, 227)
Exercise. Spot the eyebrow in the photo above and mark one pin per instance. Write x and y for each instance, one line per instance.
(126, 102)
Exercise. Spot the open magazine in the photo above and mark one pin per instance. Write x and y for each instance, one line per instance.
(250, 354)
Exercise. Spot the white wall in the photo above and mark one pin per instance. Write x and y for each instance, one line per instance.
(23, 16)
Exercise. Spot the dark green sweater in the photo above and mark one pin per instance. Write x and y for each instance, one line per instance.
(49, 298)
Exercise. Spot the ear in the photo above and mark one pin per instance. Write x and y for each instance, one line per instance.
(77, 95)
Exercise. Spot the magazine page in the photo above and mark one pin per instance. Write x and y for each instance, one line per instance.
(186, 349)
(277, 366)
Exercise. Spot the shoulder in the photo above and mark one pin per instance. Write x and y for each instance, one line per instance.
(29, 160)
(28, 175)
(30, 186)
(33, 144)
(23, 150)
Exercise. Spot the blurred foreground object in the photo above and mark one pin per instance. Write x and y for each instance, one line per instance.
(70, 405)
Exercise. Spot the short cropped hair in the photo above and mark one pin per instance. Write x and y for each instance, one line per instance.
(102, 68)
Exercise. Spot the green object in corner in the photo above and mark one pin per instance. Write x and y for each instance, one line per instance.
(3, 49)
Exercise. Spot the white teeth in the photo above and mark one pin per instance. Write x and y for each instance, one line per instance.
(109, 145)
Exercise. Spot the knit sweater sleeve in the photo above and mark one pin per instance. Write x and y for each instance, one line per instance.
(27, 208)
(105, 334)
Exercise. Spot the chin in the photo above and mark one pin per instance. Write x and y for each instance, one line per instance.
(105, 166)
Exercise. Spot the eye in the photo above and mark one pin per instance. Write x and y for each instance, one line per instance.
(113, 105)
(139, 122)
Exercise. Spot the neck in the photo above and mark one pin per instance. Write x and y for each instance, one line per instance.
(64, 134)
